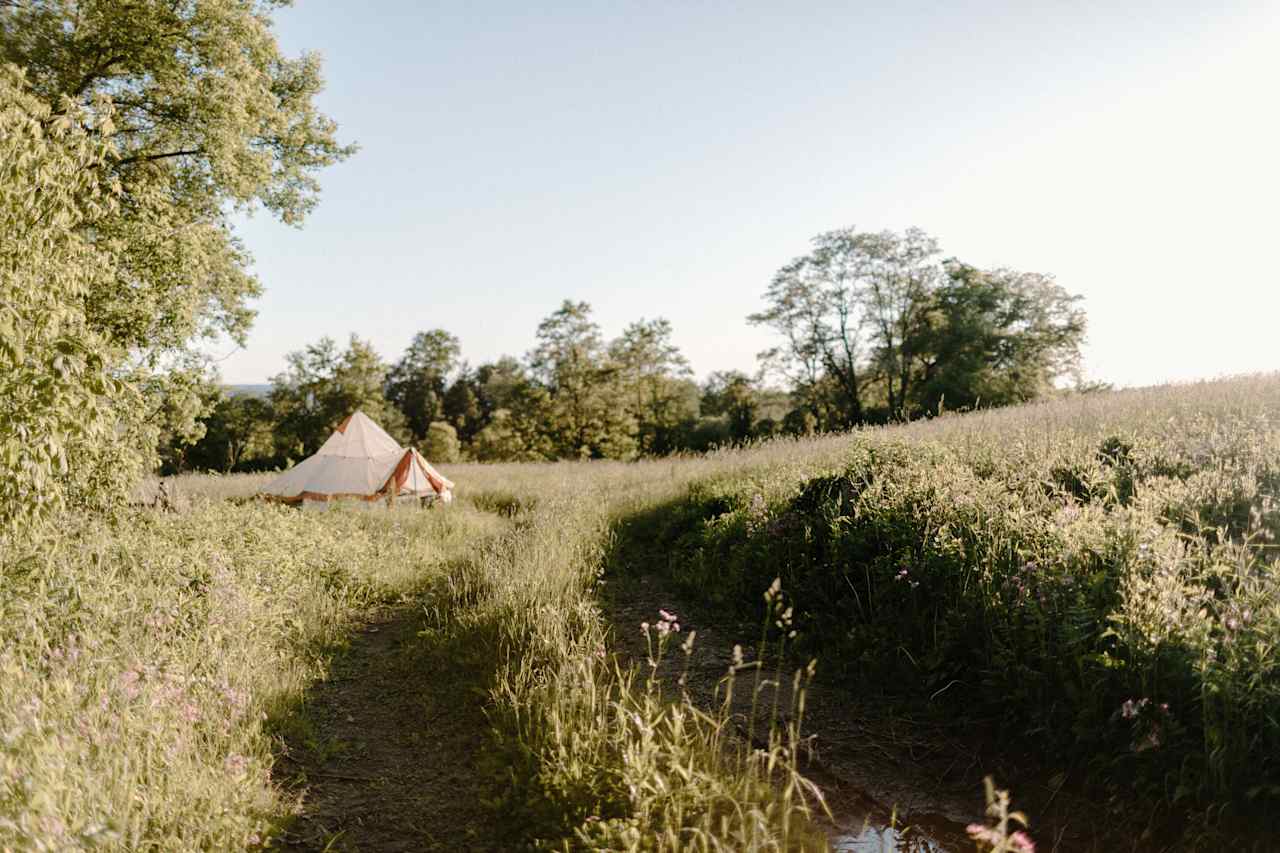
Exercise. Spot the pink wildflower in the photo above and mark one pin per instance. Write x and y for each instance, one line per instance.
(129, 684)
(979, 832)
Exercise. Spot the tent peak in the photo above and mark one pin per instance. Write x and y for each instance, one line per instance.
(358, 413)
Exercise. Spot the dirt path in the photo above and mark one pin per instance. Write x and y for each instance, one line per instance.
(873, 765)
(382, 755)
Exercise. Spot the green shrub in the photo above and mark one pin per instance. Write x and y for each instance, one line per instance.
(1106, 585)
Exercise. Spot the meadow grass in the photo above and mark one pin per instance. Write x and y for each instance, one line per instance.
(595, 757)
(1096, 572)
(146, 661)
(1095, 576)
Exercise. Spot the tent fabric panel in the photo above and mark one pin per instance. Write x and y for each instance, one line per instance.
(416, 479)
(335, 475)
(359, 437)
(439, 482)
(395, 482)
(321, 497)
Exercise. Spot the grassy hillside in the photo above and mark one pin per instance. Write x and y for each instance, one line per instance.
(1096, 575)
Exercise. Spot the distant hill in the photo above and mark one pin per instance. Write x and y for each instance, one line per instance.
(248, 390)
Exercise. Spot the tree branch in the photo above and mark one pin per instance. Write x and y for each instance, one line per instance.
(147, 158)
(97, 72)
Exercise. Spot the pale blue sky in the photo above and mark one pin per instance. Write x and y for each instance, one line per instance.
(664, 159)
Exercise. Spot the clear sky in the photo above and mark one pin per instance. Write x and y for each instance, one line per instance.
(665, 158)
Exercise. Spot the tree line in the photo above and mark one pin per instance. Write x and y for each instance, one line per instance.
(872, 328)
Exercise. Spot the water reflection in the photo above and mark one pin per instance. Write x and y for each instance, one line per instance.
(876, 839)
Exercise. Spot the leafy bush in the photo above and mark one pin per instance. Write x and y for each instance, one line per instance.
(61, 437)
(441, 443)
(1098, 576)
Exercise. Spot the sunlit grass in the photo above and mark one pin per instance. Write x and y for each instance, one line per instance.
(141, 656)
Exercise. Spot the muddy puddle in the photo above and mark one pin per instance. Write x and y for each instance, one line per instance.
(875, 840)
(931, 834)
(863, 825)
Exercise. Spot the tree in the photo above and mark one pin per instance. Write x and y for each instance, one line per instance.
(816, 304)
(995, 338)
(205, 118)
(898, 275)
(441, 443)
(503, 396)
(239, 435)
(875, 321)
(587, 417)
(509, 437)
(462, 407)
(732, 395)
(67, 425)
(321, 387)
(416, 383)
(653, 376)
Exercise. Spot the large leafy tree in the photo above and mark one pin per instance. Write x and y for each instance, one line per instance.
(817, 304)
(653, 376)
(994, 338)
(321, 386)
(897, 276)
(239, 435)
(587, 417)
(732, 395)
(209, 118)
(878, 322)
(66, 424)
(418, 382)
(500, 412)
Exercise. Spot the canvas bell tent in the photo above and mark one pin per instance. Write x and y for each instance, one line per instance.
(360, 461)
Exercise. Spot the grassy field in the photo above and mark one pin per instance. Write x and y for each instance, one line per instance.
(1095, 575)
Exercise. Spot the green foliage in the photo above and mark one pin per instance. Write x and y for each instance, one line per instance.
(205, 116)
(1098, 575)
(321, 387)
(417, 383)
(511, 438)
(65, 420)
(995, 338)
(145, 664)
(875, 325)
(733, 395)
(239, 435)
(592, 756)
(652, 375)
(441, 443)
(586, 416)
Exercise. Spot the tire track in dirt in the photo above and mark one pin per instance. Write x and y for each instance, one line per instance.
(382, 754)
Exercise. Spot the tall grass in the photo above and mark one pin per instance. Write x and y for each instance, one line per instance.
(598, 758)
(145, 660)
(1098, 575)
